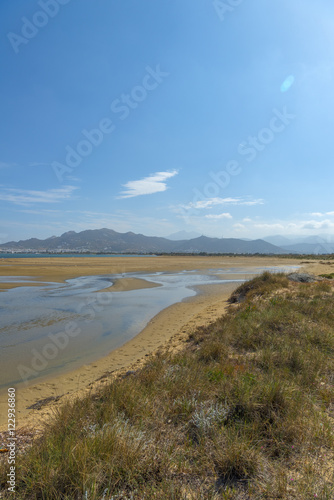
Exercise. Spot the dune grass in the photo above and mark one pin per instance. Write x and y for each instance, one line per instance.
(244, 411)
(329, 276)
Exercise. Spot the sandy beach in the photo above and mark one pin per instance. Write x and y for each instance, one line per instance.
(169, 328)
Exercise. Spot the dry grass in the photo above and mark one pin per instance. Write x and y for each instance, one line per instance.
(245, 411)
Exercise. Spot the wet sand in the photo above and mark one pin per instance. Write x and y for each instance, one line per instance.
(59, 269)
(170, 327)
(8, 286)
(125, 284)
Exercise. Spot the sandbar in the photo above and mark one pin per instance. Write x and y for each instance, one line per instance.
(126, 284)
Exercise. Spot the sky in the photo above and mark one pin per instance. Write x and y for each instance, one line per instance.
(213, 116)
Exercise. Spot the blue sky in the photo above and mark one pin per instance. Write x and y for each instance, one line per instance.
(154, 117)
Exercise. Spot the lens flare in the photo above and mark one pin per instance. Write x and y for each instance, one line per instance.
(288, 82)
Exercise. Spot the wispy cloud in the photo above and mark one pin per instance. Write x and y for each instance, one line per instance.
(5, 165)
(38, 164)
(154, 183)
(41, 211)
(219, 216)
(296, 226)
(319, 214)
(28, 197)
(211, 202)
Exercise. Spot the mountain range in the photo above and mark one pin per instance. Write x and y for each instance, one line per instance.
(109, 241)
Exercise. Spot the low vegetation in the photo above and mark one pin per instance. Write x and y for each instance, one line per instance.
(244, 411)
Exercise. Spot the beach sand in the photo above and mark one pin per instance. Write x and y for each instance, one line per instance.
(124, 284)
(170, 327)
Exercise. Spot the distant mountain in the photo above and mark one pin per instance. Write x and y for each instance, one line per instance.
(109, 241)
(316, 244)
(279, 240)
(310, 248)
(226, 245)
(183, 235)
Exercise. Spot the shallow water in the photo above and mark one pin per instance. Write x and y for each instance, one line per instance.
(47, 330)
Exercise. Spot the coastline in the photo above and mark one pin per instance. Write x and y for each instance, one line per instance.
(168, 329)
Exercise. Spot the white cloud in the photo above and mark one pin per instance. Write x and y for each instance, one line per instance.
(296, 227)
(154, 183)
(271, 227)
(219, 216)
(28, 197)
(222, 201)
(312, 224)
(319, 214)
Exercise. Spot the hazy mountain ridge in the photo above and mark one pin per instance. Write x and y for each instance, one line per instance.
(107, 240)
(316, 244)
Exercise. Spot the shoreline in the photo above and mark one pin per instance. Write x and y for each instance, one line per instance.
(169, 329)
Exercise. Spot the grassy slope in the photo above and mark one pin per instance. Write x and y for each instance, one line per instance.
(245, 411)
